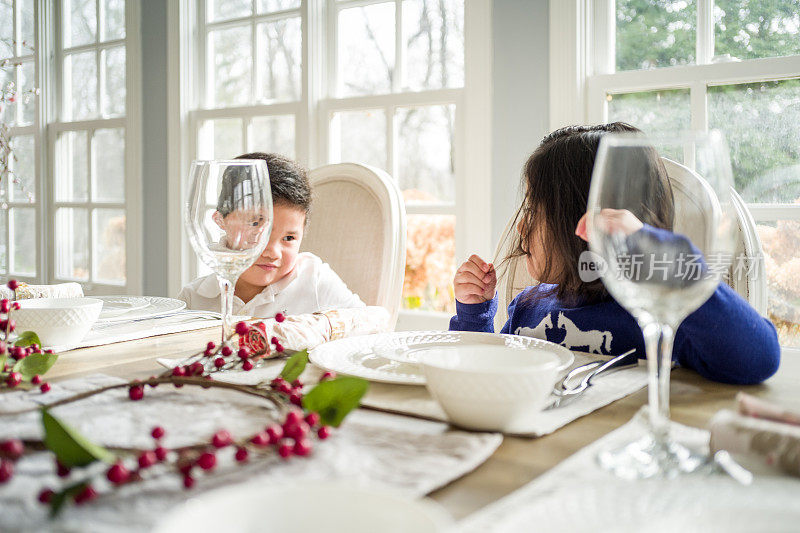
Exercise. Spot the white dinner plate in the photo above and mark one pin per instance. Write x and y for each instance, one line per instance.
(114, 306)
(359, 356)
(305, 506)
(155, 306)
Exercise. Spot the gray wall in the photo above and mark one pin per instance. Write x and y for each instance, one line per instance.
(154, 146)
(520, 102)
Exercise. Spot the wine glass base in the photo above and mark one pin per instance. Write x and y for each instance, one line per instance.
(646, 457)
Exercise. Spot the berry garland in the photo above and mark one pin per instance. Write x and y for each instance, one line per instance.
(299, 416)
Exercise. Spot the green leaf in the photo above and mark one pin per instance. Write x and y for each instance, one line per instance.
(26, 338)
(3, 359)
(334, 399)
(58, 499)
(295, 366)
(71, 448)
(35, 364)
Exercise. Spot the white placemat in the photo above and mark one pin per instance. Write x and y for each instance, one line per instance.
(577, 495)
(370, 449)
(109, 333)
(415, 400)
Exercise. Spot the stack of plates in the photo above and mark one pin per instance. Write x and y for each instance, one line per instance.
(393, 357)
(126, 308)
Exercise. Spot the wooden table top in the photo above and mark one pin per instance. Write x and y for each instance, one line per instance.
(694, 400)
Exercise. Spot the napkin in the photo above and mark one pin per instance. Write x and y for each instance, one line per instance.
(309, 330)
(306, 331)
(25, 291)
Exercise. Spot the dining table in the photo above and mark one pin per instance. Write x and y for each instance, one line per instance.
(518, 460)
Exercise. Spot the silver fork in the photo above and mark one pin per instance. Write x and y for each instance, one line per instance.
(561, 393)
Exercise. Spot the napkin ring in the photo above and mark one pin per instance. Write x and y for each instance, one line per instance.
(338, 331)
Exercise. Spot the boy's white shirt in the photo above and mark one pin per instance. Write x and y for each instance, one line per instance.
(311, 287)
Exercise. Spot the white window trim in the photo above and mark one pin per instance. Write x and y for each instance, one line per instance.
(582, 71)
(48, 124)
(52, 109)
(473, 212)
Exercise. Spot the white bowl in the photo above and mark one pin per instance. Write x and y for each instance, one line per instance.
(490, 388)
(290, 507)
(57, 321)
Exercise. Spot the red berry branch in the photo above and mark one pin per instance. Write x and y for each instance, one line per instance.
(299, 416)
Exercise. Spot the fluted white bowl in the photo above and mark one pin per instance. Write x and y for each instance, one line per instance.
(57, 321)
(490, 388)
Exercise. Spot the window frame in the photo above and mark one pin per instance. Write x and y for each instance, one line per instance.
(130, 122)
(582, 70)
(190, 55)
(314, 112)
(48, 64)
(37, 131)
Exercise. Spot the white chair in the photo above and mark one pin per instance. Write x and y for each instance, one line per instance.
(695, 205)
(358, 226)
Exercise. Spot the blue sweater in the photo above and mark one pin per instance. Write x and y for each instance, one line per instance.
(724, 340)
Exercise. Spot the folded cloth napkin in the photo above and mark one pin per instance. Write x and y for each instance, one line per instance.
(306, 331)
(758, 435)
(25, 291)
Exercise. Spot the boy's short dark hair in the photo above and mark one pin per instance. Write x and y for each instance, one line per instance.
(287, 179)
(557, 177)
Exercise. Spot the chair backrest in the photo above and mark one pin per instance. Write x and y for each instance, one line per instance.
(695, 206)
(358, 226)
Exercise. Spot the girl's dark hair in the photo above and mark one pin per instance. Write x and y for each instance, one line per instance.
(557, 177)
(287, 179)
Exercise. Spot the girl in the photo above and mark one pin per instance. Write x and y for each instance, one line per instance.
(724, 340)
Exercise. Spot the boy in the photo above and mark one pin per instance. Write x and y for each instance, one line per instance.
(281, 280)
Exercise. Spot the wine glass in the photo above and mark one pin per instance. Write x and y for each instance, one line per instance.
(660, 275)
(228, 217)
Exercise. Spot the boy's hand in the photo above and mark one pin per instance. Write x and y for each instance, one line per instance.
(475, 281)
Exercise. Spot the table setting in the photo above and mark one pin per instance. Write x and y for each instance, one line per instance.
(64, 319)
(316, 419)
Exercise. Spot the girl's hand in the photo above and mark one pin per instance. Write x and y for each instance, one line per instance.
(475, 281)
(611, 221)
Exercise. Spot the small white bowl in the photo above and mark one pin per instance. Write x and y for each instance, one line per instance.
(57, 321)
(490, 388)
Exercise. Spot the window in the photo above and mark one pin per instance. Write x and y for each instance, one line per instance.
(394, 102)
(20, 187)
(251, 64)
(379, 82)
(732, 65)
(80, 217)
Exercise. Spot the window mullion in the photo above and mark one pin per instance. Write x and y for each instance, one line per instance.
(100, 10)
(398, 79)
(391, 158)
(89, 210)
(15, 33)
(705, 32)
(255, 70)
(699, 106)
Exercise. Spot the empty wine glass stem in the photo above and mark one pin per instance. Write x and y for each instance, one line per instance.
(658, 340)
(226, 287)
